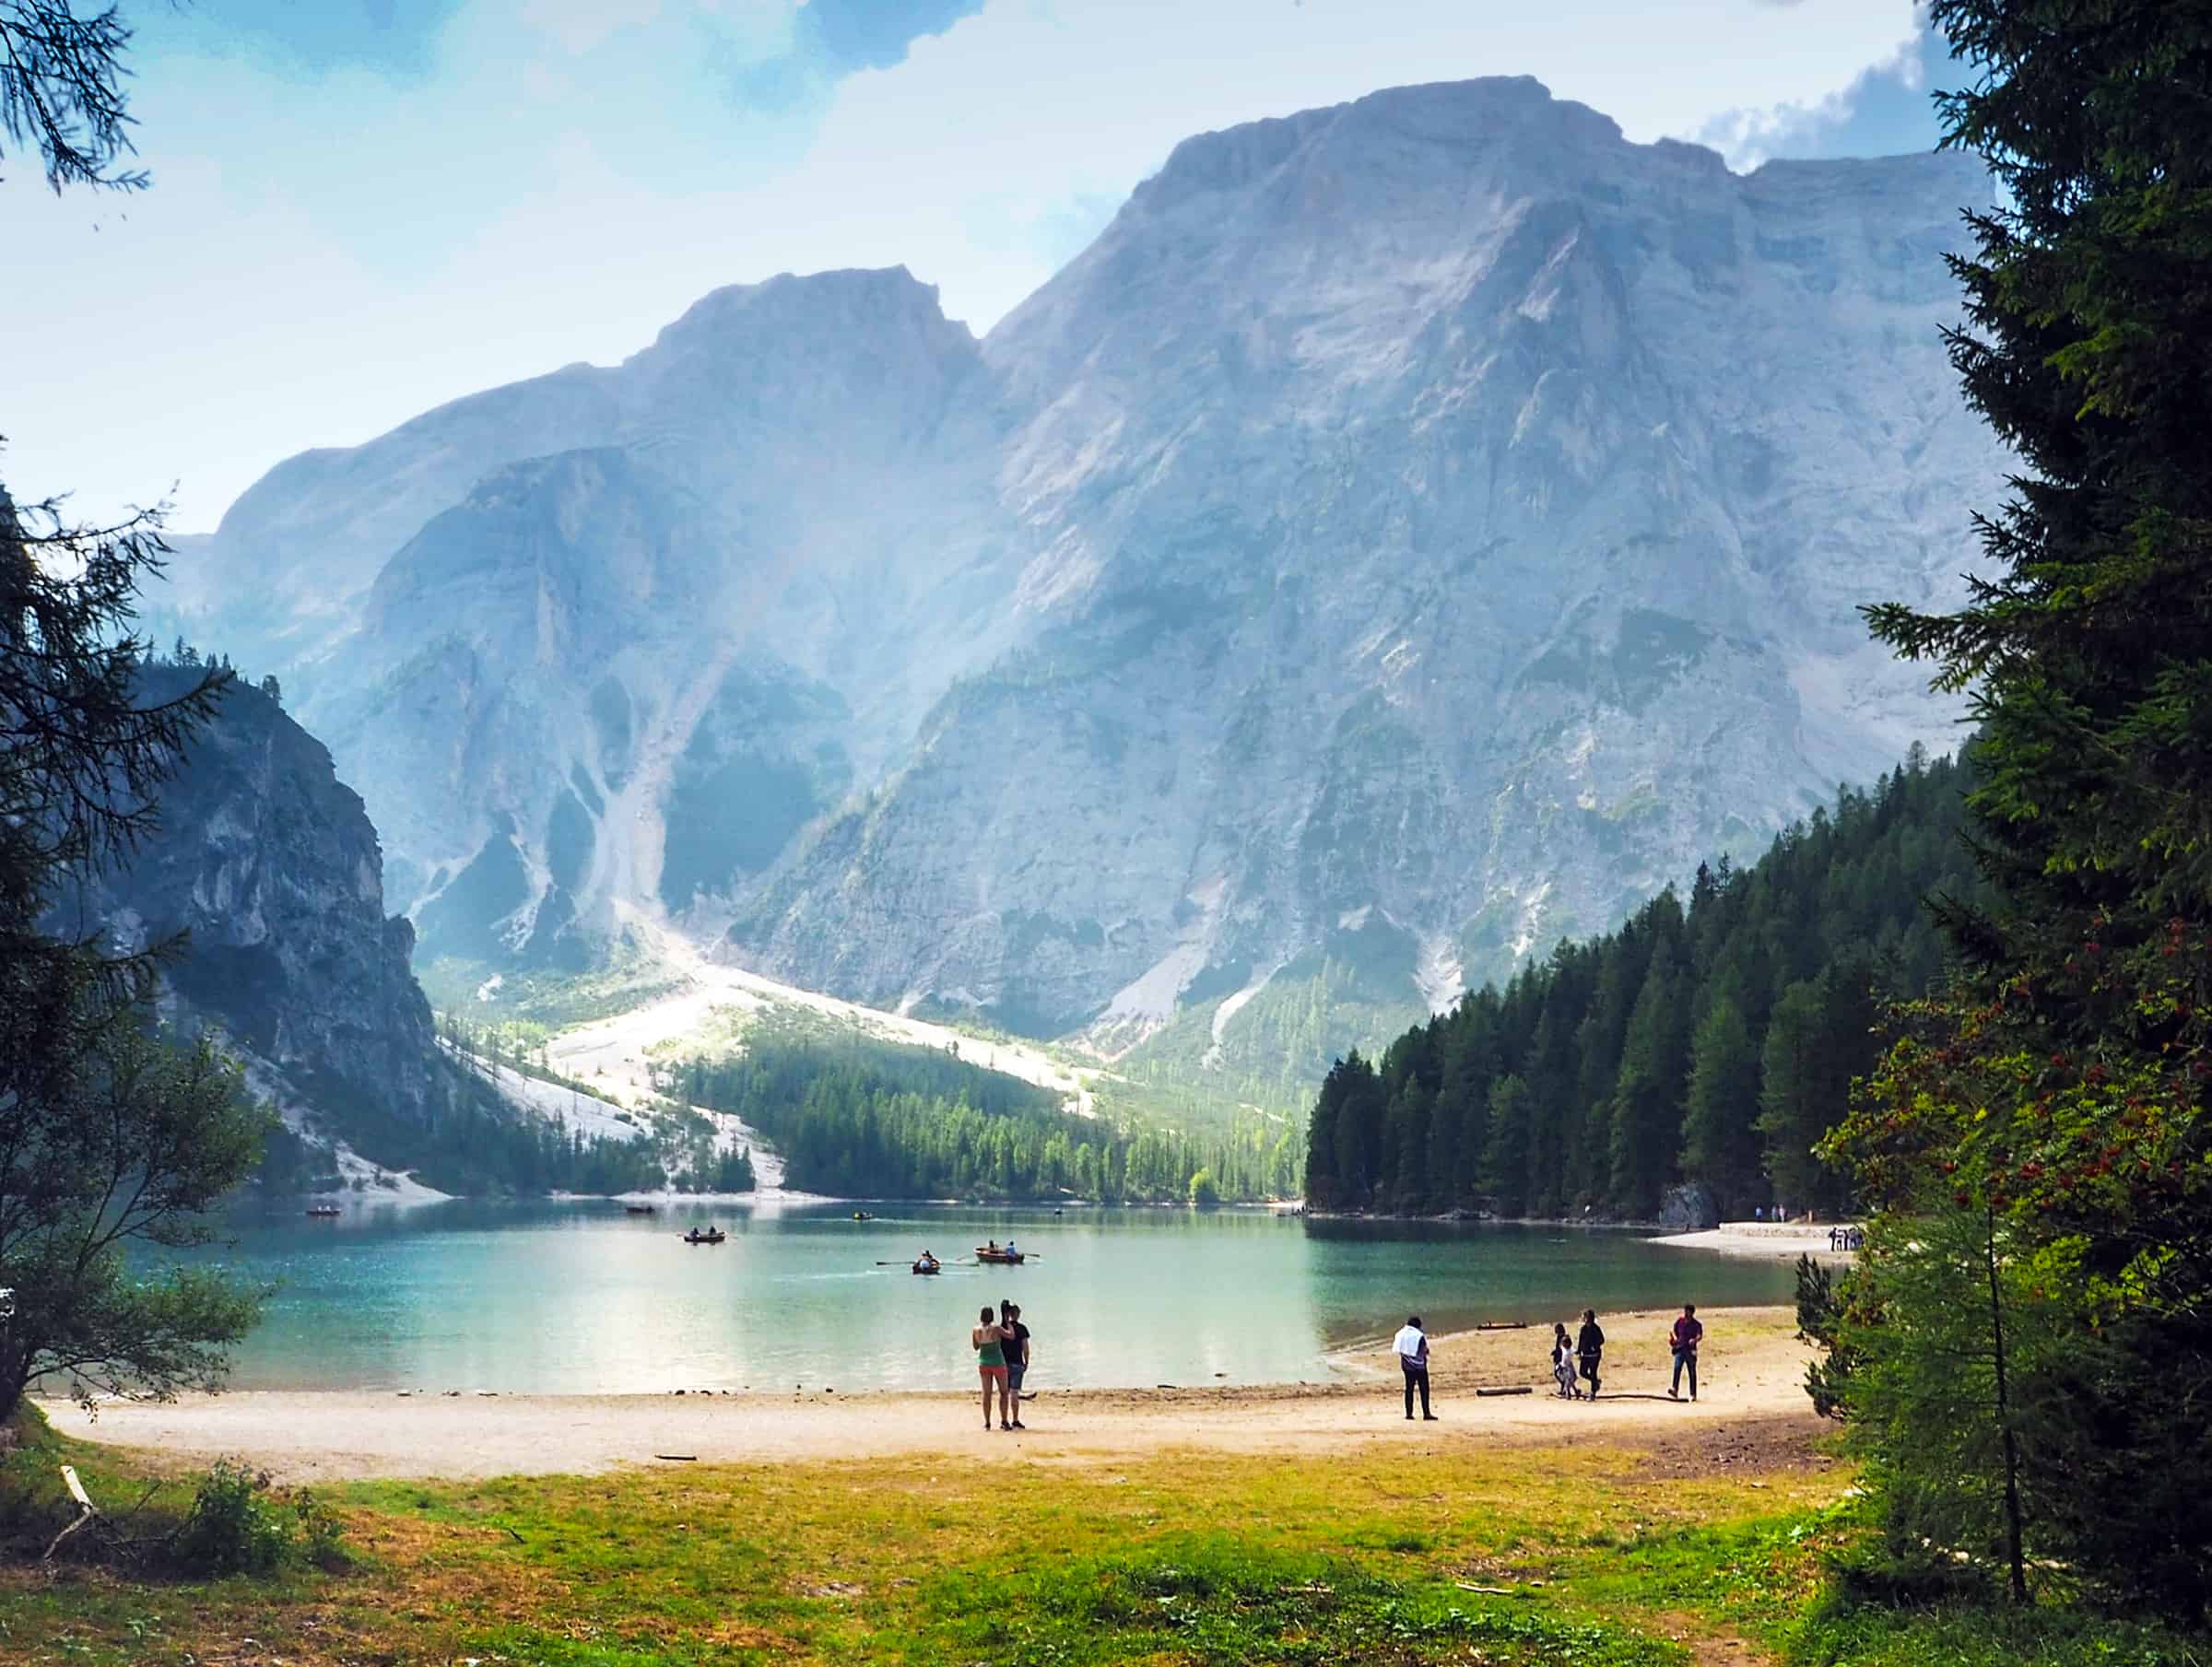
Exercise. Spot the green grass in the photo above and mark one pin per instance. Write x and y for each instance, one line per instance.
(1595, 1559)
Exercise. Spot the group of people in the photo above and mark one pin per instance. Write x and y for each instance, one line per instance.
(1002, 1356)
(1575, 1361)
(1847, 1239)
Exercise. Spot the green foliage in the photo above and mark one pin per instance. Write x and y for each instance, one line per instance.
(135, 1146)
(1213, 1599)
(859, 1118)
(239, 1525)
(2061, 1087)
(1716, 1042)
(1820, 1317)
(1948, 1326)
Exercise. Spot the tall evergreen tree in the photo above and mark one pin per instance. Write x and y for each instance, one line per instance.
(1720, 1142)
(1647, 1096)
(2066, 1081)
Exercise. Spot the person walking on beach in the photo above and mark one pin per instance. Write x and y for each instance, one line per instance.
(988, 1339)
(1016, 1346)
(1412, 1347)
(1590, 1348)
(1563, 1363)
(1689, 1330)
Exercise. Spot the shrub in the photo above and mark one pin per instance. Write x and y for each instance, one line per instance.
(239, 1525)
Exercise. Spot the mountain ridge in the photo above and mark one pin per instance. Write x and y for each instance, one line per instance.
(1435, 509)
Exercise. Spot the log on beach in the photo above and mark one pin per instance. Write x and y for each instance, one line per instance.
(1515, 1389)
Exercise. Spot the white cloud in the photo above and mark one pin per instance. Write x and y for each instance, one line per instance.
(530, 207)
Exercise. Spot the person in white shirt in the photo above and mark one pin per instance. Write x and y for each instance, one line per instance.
(1412, 1347)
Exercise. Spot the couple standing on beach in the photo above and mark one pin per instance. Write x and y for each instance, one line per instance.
(1002, 1356)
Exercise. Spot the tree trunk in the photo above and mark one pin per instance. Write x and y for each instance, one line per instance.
(2012, 1556)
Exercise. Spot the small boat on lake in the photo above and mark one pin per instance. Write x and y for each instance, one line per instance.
(998, 1258)
(323, 1211)
(862, 1215)
(639, 1209)
(712, 1235)
(929, 1265)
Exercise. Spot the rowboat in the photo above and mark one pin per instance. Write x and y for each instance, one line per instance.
(323, 1210)
(712, 1235)
(637, 1209)
(928, 1267)
(1001, 1258)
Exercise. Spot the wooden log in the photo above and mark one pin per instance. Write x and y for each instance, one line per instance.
(1515, 1389)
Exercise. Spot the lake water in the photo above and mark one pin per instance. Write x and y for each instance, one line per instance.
(580, 1296)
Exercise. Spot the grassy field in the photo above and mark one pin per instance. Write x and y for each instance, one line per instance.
(1598, 1556)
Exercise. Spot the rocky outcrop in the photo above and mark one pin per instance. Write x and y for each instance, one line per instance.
(1413, 532)
(1688, 1207)
(267, 862)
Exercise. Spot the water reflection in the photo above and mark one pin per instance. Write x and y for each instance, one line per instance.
(580, 1296)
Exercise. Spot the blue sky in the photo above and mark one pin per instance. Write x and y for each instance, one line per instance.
(363, 207)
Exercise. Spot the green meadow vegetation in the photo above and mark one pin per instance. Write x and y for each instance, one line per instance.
(1607, 1552)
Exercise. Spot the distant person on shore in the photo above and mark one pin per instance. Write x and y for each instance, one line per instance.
(1412, 1347)
(1017, 1353)
(1590, 1349)
(1689, 1330)
(1563, 1363)
(988, 1339)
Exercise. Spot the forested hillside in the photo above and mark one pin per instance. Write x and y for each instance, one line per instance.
(875, 1120)
(1713, 1042)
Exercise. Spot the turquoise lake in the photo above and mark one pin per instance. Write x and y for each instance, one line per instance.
(569, 1298)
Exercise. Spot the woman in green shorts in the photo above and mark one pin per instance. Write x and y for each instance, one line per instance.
(990, 1338)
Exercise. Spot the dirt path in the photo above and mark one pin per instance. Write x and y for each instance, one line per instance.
(1753, 1370)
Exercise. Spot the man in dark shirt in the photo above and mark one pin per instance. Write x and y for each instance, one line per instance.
(1590, 1349)
(1018, 1355)
(1689, 1330)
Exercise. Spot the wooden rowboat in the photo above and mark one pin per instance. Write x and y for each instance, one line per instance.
(1000, 1258)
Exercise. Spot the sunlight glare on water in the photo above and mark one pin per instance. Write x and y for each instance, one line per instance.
(580, 1298)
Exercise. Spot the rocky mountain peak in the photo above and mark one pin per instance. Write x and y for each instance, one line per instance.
(1412, 530)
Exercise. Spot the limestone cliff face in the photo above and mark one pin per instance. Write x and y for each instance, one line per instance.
(1449, 517)
(269, 862)
(1413, 532)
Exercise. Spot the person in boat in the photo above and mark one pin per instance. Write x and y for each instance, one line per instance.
(1017, 1353)
(926, 1261)
(991, 1245)
(1010, 1251)
(988, 1339)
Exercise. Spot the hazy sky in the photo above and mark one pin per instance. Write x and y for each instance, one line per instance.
(363, 207)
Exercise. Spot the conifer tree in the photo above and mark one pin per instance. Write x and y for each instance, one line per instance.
(1720, 1143)
(2065, 1082)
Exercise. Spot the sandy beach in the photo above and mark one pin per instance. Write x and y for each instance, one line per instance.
(1770, 1240)
(1752, 1367)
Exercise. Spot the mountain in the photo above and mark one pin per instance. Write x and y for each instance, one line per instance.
(267, 864)
(1413, 532)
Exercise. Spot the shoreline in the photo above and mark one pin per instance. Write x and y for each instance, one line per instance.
(1752, 1367)
(1764, 1240)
